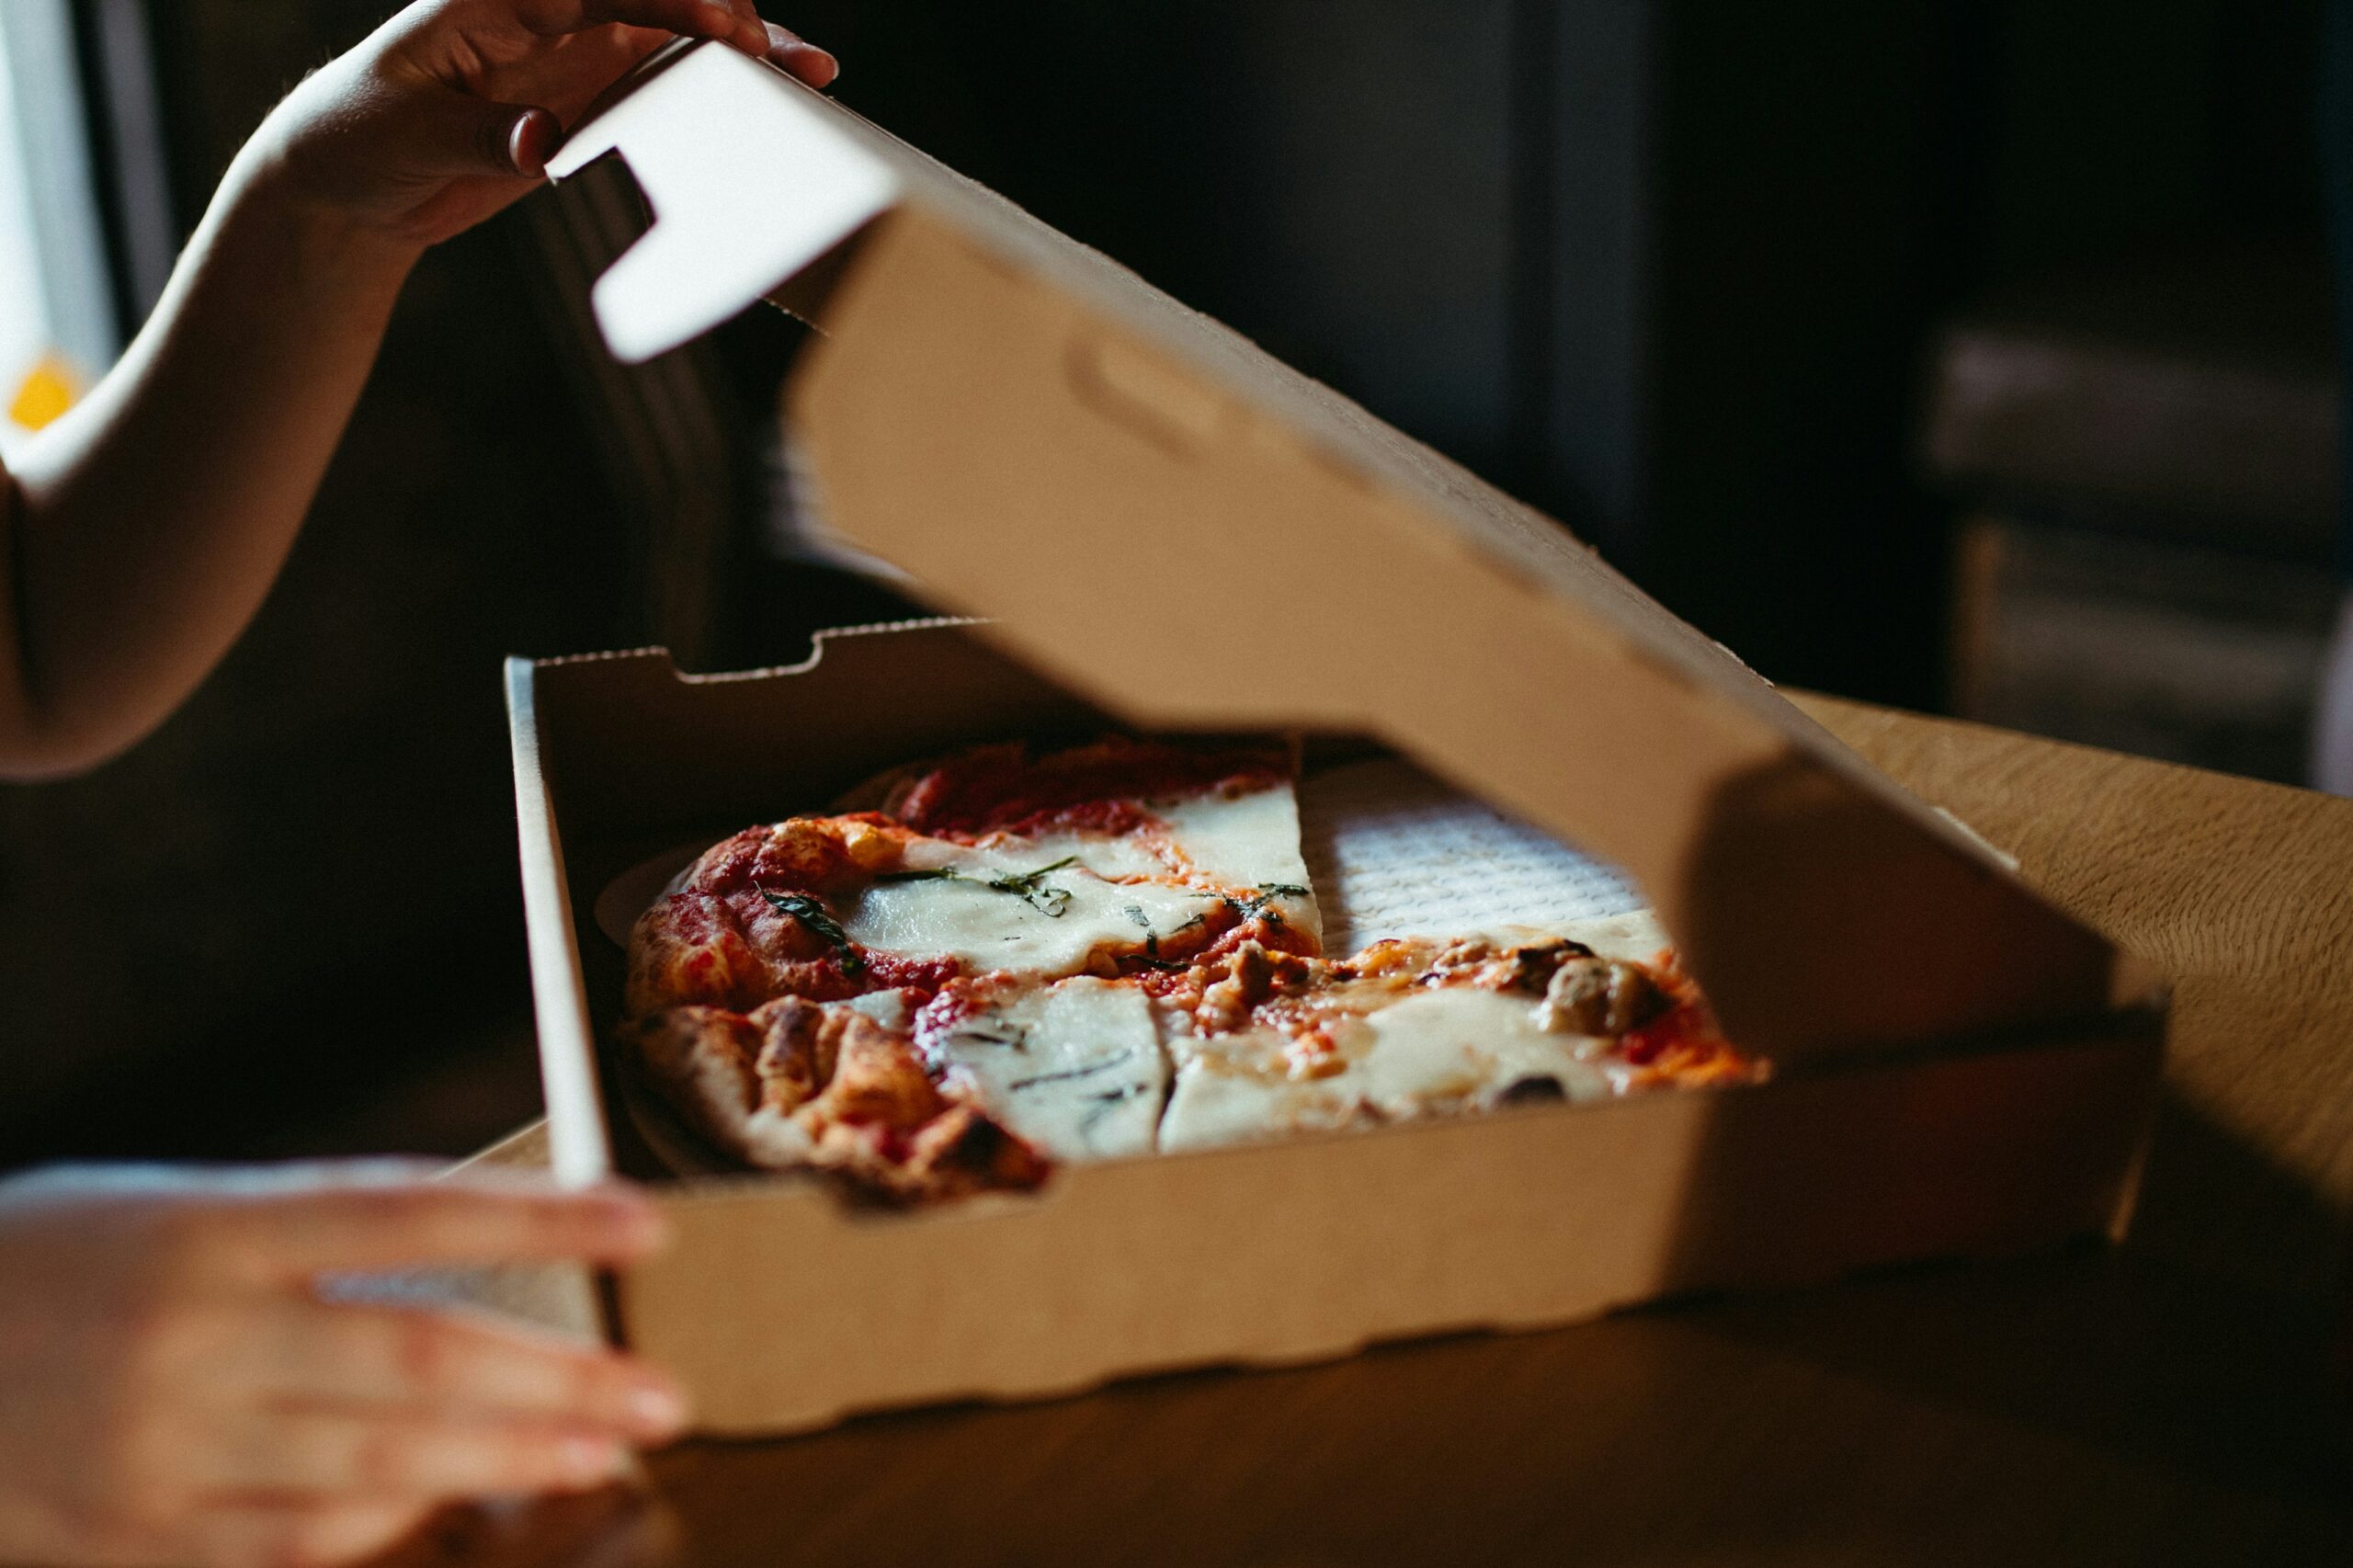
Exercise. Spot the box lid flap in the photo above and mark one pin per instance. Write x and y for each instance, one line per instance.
(1155, 513)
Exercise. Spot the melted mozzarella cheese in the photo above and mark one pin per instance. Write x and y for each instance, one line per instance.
(1075, 1068)
(1113, 857)
(1429, 1053)
(1070, 914)
(1245, 842)
(1441, 1050)
(1241, 844)
(1233, 1089)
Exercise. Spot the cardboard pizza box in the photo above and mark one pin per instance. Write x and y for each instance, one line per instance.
(1163, 527)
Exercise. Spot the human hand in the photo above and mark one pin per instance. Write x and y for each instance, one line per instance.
(174, 1388)
(450, 111)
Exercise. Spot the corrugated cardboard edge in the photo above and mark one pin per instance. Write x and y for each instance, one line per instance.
(580, 1150)
(567, 1299)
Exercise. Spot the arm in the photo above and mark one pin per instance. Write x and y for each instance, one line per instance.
(174, 1385)
(145, 529)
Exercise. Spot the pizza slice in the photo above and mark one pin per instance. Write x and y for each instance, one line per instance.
(1074, 1067)
(829, 1087)
(1412, 1027)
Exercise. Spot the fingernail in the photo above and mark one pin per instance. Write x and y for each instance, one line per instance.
(829, 70)
(532, 132)
(657, 1408)
(640, 1219)
(818, 67)
(588, 1460)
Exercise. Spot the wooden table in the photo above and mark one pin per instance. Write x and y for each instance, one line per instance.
(2170, 1402)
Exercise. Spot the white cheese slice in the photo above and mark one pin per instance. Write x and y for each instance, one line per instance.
(1113, 857)
(1121, 890)
(1247, 842)
(1055, 928)
(1464, 1049)
(1075, 1068)
(1235, 1088)
(1430, 1053)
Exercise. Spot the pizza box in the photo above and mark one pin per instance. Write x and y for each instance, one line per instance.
(1156, 525)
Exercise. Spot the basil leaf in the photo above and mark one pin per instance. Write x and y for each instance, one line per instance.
(812, 914)
(1051, 901)
(1259, 905)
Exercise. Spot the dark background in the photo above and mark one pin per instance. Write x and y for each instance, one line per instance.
(1678, 272)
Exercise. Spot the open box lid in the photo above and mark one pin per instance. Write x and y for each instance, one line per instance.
(1152, 512)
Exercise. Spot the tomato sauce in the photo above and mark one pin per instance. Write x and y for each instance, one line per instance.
(1684, 1042)
(1002, 789)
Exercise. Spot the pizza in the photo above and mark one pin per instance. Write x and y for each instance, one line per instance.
(1018, 958)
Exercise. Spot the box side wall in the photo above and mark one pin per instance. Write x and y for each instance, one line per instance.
(637, 753)
(1310, 1249)
(580, 1148)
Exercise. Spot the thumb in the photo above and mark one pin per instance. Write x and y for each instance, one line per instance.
(474, 136)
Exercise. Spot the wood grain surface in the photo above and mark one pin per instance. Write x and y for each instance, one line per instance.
(2167, 1402)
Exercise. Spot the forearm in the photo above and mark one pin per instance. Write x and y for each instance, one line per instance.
(151, 521)
(145, 527)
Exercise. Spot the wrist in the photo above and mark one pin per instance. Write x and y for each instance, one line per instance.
(261, 208)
